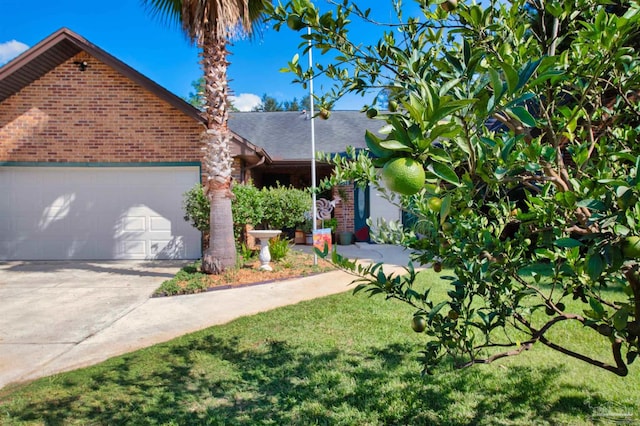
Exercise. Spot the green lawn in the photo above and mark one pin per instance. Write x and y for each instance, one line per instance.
(342, 359)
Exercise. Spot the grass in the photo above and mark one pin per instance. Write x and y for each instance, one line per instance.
(343, 360)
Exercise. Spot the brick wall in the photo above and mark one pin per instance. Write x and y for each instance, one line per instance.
(344, 210)
(94, 116)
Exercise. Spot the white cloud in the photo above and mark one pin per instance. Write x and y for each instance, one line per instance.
(245, 101)
(11, 49)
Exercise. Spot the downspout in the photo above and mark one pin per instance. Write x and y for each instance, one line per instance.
(253, 166)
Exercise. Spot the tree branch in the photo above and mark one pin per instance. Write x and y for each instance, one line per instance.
(523, 347)
(631, 273)
(620, 368)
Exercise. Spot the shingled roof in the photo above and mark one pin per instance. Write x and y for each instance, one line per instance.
(286, 136)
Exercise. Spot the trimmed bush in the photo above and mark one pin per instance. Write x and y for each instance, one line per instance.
(196, 208)
(284, 207)
(247, 209)
(268, 208)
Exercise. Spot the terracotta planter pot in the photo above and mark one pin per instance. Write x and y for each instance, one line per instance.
(299, 237)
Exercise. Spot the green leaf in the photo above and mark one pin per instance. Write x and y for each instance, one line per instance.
(521, 99)
(597, 307)
(500, 172)
(466, 51)
(544, 269)
(527, 72)
(595, 266)
(511, 76)
(446, 130)
(489, 142)
(506, 150)
(394, 145)
(498, 87)
(373, 143)
(453, 61)
(445, 208)
(435, 310)
(524, 116)
(592, 204)
(567, 243)
(448, 85)
(533, 167)
(621, 190)
(444, 172)
(621, 229)
(449, 108)
(359, 288)
(620, 319)
(566, 199)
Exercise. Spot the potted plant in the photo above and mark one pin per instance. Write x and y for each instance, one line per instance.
(307, 228)
(299, 237)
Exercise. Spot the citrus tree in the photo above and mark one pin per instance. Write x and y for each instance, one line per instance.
(512, 143)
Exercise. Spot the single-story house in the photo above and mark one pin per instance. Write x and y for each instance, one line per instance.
(286, 136)
(95, 157)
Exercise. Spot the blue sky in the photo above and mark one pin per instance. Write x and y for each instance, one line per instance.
(159, 51)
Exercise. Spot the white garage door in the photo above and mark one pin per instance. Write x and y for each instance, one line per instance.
(55, 213)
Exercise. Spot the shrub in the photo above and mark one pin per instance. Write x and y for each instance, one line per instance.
(284, 207)
(247, 208)
(270, 208)
(196, 208)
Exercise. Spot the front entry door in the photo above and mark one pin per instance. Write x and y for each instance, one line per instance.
(361, 213)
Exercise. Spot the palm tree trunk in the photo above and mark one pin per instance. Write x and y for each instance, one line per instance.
(217, 161)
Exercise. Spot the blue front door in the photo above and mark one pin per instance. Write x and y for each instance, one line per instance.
(361, 213)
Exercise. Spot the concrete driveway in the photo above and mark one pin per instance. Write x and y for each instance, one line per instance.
(58, 316)
(48, 308)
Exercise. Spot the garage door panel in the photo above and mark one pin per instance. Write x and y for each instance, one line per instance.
(159, 224)
(95, 213)
(134, 224)
(133, 249)
(168, 249)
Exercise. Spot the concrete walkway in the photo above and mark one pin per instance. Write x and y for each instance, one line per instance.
(59, 316)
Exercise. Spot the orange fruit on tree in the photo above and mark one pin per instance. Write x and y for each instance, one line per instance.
(447, 227)
(403, 175)
(449, 5)
(418, 324)
(324, 114)
(631, 247)
(434, 204)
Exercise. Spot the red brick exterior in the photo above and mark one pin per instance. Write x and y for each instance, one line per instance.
(97, 115)
(344, 210)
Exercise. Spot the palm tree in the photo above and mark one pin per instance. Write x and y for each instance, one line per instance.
(211, 24)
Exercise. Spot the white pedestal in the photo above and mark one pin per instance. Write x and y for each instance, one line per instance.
(265, 254)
